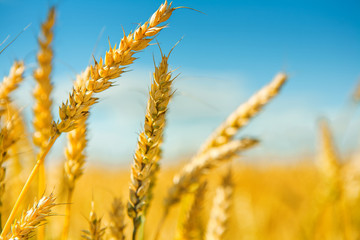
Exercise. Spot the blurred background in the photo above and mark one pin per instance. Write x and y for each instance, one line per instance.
(228, 52)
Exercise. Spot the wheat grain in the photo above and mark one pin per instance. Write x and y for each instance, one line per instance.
(75, 151)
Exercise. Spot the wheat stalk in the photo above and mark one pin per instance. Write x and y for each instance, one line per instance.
(95, 231)
(148, 149)
(332, 171)
(32, 218)
(10, 131)
(8, 136)
(242, 115)
(111, 67)
(97, 80)
(117, 217)
(220, 210)
(42, 94)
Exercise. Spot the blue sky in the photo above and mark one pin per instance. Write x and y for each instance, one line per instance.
(226, 54)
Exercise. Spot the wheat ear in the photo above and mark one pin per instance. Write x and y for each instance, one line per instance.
(101, 73)
(241, 116)
(23, 143)
(220, 210)
(191, 227)
(189, 176)
(148, 148)
(10, 83)
(32, 218)
(329, 160)
(331, 169)
(75, 156)
(26, 187)
(42, 95)
(111, 67)
(95, 231)
(117, 217)
(10, 131)
(8, 136)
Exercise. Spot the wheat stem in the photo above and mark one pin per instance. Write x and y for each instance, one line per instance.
(66, 226)
(42, 94)
(11, 131)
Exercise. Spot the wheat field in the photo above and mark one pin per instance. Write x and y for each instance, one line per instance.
(217, 193)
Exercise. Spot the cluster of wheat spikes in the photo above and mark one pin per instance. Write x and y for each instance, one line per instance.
(189, 184)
